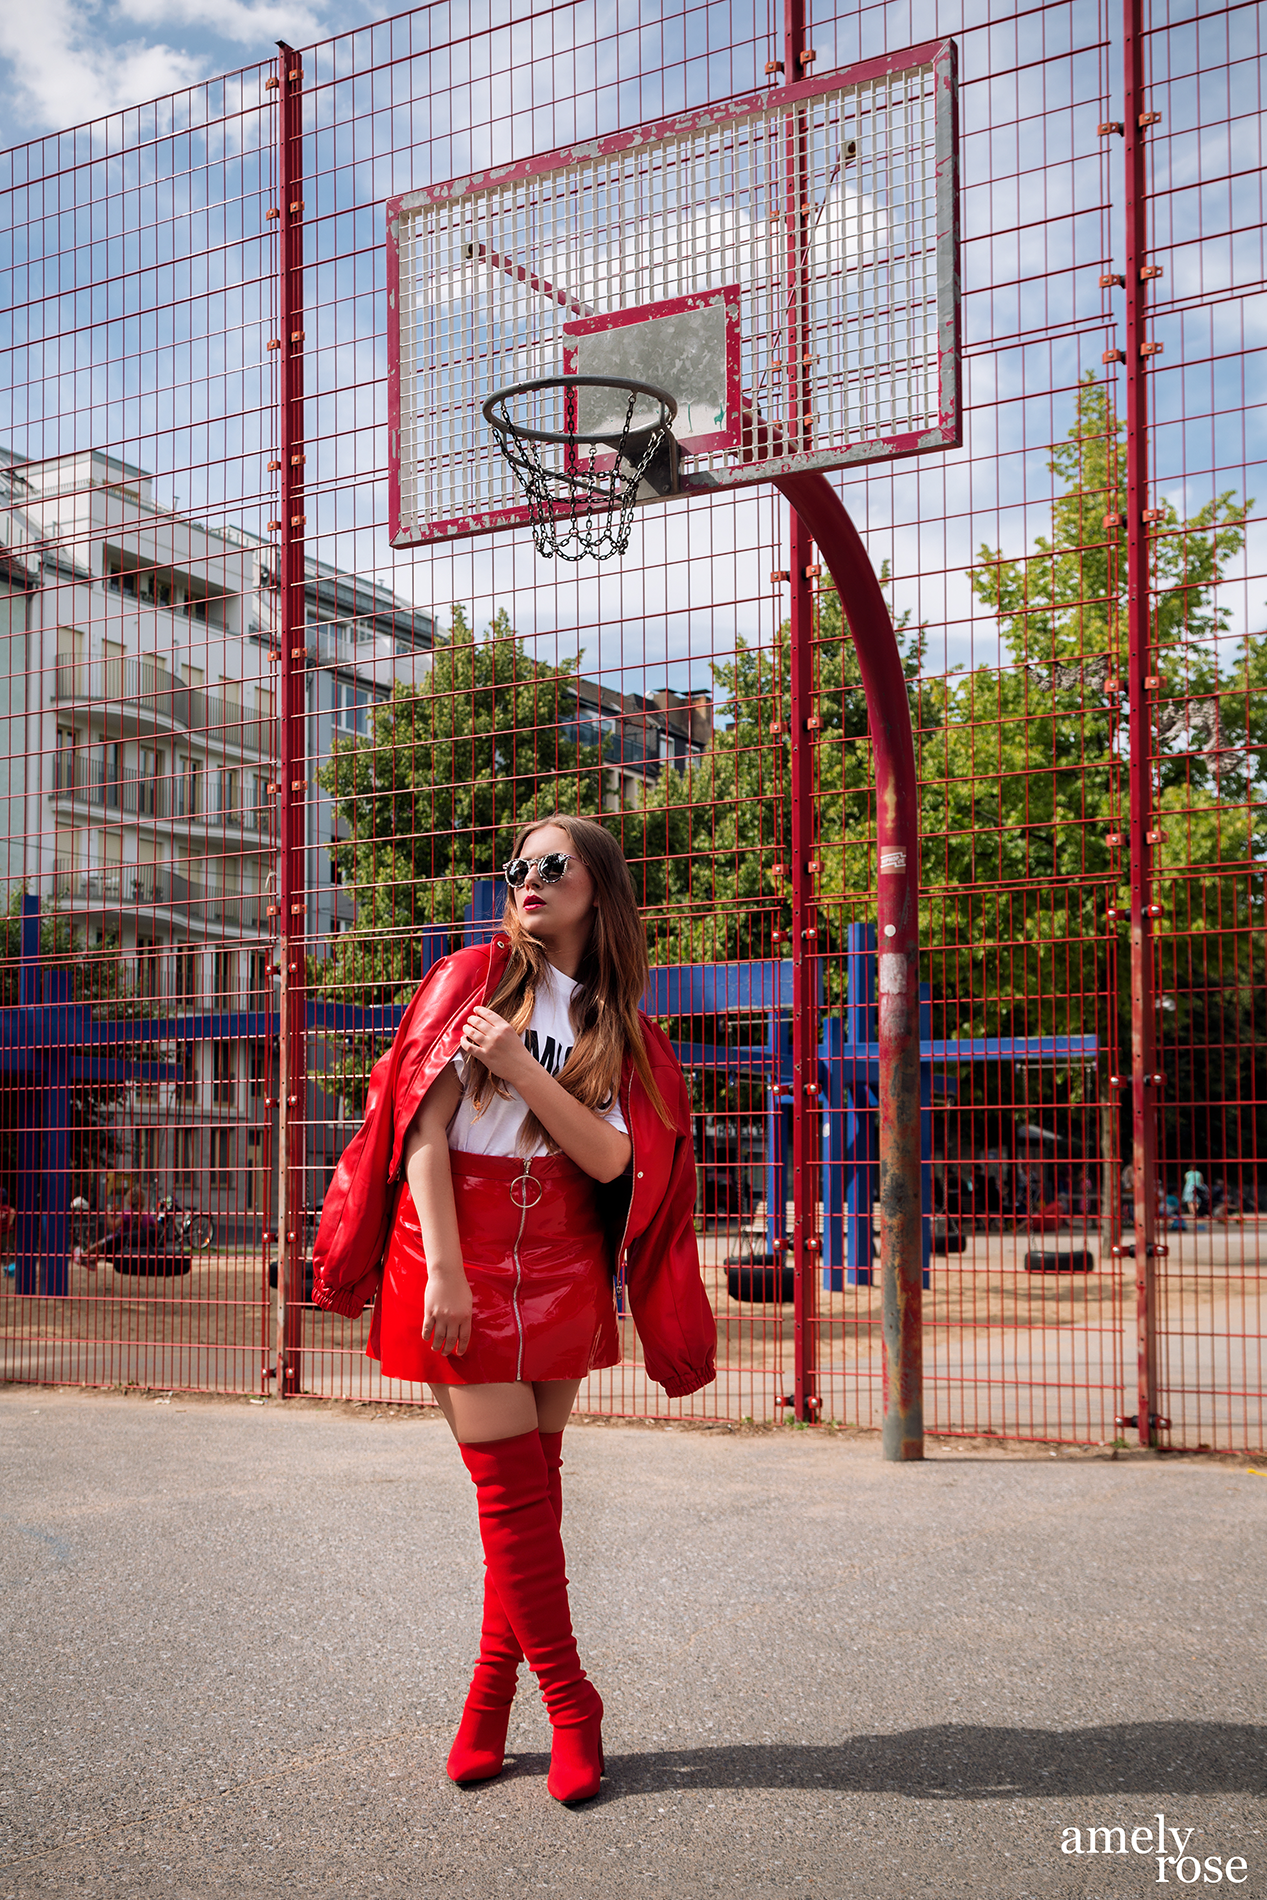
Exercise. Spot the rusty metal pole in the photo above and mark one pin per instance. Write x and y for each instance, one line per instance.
(806, 1111)
(897, 915)
(1141, 672)
(293, 753)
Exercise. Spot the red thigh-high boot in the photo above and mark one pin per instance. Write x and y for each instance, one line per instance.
(479, 1747)
(552, 1446)
(524, 1553)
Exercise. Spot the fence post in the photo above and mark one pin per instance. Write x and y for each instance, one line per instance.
(1143, 686)
(293, 747)
(806, 1110)
(897, 917)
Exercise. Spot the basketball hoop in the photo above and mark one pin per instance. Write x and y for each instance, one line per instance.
(615, 436)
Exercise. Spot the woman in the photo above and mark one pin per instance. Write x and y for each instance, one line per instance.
(536, 1117)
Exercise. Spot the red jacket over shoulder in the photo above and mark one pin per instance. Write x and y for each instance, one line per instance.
(655, 1233)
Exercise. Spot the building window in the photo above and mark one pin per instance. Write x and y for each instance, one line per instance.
(259, 1070)
(223, 1077)
(149, 783)
(187, 977)
(227, 799)
(149, 969)
(261, 980)
(186, 1071)
(145, 1150)
(352, 705)
(257, 1195)
(225, 977)
(186, 1157)
(67, 758)
(258, 814)
(221, 1157)
(188, 785)
(110, 773)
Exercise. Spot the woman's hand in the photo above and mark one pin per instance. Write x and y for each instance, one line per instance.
(491, 1038)
(446, 1312)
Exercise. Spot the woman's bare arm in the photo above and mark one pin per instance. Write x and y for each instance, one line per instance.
(595, 1146)
(446, 1313)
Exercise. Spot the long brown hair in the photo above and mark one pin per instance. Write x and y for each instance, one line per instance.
(612, 977)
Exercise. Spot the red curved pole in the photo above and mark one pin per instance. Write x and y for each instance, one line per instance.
(897, 922)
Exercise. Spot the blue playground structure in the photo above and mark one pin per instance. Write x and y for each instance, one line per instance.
(49, 1042)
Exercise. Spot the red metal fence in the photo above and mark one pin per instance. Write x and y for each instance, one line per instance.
(260, 768)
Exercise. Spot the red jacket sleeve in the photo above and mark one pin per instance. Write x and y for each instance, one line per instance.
(666, 1291)
(348, 1250)
(356, 1215)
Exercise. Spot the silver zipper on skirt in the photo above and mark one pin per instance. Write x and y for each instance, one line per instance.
(522, 1185)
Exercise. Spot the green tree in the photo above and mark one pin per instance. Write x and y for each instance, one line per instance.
(432, 797)
(715, 839)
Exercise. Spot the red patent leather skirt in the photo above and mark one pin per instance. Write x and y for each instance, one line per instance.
(539, 1266)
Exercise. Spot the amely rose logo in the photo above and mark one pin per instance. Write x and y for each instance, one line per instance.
(1187, 1868)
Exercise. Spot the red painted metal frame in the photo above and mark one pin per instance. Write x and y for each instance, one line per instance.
(943, 54)
(727, 438)
(293, 754)
(806, 1144)
(1142, 669)
(819, 511)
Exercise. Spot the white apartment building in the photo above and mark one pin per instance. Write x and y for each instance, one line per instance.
(139, 705)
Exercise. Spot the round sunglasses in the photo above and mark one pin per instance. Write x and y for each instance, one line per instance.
(550, 868)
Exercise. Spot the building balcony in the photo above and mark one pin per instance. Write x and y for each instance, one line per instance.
(139, 697)
(85, 782)
(157, 887)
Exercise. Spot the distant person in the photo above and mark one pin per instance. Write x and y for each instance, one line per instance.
(129, 1228)
(1192, 1192)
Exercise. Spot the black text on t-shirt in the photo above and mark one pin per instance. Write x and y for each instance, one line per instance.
(552, 1057)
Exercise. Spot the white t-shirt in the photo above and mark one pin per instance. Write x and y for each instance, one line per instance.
(494, 1130)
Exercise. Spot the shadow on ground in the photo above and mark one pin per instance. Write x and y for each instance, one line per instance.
(968, 1763)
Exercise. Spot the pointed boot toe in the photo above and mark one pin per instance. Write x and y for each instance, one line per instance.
(577, 1763)
(479, 1747)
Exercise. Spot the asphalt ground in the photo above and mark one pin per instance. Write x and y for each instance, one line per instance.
(236, 1639)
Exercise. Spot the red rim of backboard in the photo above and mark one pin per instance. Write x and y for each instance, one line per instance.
(941, 54)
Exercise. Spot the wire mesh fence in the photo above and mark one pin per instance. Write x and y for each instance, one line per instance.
(446, 690)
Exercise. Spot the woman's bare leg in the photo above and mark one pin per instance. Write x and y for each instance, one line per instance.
(555, 1399)
(478, 1414)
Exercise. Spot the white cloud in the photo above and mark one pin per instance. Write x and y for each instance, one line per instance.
(66, 68)
(259, 25)
(71, 60)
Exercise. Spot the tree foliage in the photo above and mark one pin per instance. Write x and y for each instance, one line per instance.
(432, 796)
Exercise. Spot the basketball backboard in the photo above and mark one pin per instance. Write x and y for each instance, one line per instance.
(785, 265)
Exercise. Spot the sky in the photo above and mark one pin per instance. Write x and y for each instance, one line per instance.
(1026, 332)
(64, 61)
